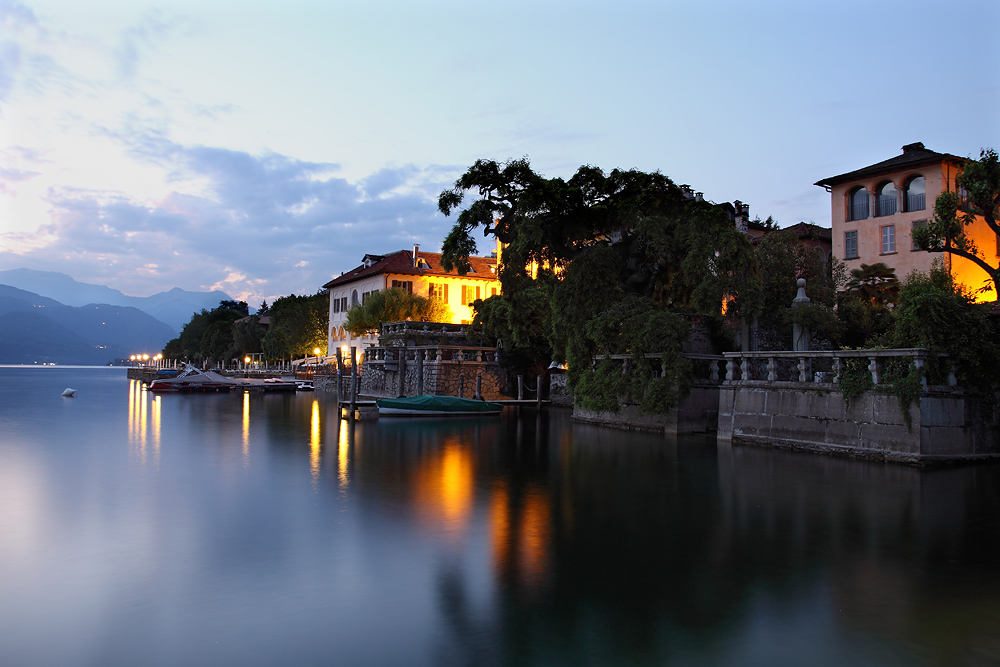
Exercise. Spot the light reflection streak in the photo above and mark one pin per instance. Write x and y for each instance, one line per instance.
(139, 422)
(314, 442)
(246, 429)
(520, 530)
(444, 489)
(156, 412)
(342, 457)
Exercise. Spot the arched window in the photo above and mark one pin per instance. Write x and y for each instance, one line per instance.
(885, 199)
(915, 198)
(858, 207)
(354, 298)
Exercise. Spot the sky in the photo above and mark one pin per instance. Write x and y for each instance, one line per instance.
(263, 147)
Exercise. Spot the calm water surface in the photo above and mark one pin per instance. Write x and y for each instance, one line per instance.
(261, 530)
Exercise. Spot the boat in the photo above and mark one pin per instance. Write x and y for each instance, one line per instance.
(193, 380)
(436, 406)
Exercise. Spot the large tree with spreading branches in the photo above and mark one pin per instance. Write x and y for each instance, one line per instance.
(574, 249)
(954, 212)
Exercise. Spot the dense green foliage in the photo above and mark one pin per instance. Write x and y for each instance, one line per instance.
(298, 326)
(936, 314)
(932, 312)
(577, 251)
(783, 259)
(980, 179)
(865, 309)
(635, 327)
(227, 332)
(393, 305)
(208, 335)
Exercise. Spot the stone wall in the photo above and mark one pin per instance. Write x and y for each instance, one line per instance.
(440, 377)
(559, 392)
(697, 413)
(946, 425)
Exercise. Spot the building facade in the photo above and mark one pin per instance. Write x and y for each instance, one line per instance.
(876, 208)
(416, 272)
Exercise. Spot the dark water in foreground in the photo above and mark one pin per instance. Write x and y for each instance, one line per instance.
(261, 530)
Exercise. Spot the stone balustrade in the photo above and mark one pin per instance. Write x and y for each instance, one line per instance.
(823, 367)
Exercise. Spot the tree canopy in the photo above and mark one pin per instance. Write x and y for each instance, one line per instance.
(954, 212)
(574, 250)
(393, 305)
(298, 326)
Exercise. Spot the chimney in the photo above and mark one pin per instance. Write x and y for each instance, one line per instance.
(908, 148)
(699, 196)
(688, 193)
(742, 215)
(416, 249)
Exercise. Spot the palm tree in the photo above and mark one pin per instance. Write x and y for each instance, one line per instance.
(875, 283)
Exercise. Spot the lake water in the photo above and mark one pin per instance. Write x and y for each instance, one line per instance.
(262, 530)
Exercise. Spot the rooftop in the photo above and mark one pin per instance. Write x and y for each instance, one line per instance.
(401, 262)
(914, 155)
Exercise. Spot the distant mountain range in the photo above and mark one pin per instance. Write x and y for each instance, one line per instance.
(37, 329)
(174, 307)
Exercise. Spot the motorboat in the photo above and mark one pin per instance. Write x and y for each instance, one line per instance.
(193, 380)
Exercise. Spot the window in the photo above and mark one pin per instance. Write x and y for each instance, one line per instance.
(438, 292)
(364, 297)
(336, 305)
(886, 199)
(343, 304)
(354, 298)
(858, 206)
(470, 293)
(493, 290)
(917, 224)
(914, 198)
(405, 285)
(888, 239)
(963, 198)
(851, 245)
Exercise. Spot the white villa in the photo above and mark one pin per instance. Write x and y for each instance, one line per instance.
(416, 272)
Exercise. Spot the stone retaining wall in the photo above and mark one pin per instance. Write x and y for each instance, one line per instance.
(697, 413)
(440, 377)
(946, 425)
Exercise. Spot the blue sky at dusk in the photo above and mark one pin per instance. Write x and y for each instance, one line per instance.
(262, 147)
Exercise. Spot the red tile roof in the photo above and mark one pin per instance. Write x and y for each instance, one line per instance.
(401, 262)
(914, 155)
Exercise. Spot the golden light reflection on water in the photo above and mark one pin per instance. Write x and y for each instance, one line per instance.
(521, 532)
(246, 429)
(144, 419)
(343, 445)
(444, 489)
(314, 442)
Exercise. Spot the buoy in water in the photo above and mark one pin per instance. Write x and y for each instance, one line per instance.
(69, 392)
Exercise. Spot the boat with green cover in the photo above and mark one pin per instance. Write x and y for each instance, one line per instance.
(436, 406)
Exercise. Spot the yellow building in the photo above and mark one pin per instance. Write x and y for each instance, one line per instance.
(876, 208)
(416, 272)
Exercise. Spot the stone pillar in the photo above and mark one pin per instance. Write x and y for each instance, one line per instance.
(800, 333)
(354, 378)
(461, 385)
(479, 387)
(402, 372)
(420, 372)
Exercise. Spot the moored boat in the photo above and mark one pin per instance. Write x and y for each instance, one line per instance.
(193, 380)
(436, 406)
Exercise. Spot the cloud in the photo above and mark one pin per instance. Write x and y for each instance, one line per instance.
(261, 225)
(142, 36)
